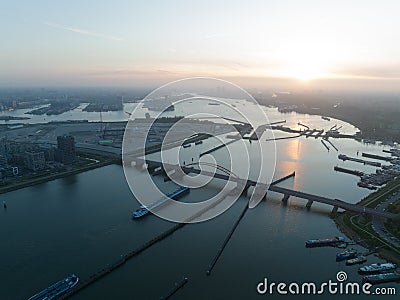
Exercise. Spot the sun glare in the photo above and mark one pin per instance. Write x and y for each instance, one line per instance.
(304, 72)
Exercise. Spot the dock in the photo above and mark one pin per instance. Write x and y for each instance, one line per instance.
(319, 133)
(326, 146)
(374, 156)
(365, 162)
(348, 171)
(217, 148)
(329, 141)
(303, 125)
(284, 138)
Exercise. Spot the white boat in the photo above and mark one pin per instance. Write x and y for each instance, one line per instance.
(377, 268)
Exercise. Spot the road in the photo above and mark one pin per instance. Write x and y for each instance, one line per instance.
(378, 225)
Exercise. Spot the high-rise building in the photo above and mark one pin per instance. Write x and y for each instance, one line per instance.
(34, 160)
(3, 161)
(65, 149)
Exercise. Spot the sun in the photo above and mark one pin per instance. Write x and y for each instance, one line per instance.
(304, 72)
(305, 63)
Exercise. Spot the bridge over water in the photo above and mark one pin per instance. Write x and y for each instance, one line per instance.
(287, 193)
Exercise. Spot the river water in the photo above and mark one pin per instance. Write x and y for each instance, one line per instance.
(81, 223)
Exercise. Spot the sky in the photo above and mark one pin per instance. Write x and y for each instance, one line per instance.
(133, 43)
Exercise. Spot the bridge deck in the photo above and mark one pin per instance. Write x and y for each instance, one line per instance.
(272, 187)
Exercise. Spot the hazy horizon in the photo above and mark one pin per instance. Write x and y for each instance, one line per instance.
(266, 45)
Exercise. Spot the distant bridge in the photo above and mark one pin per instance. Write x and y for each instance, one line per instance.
(287, 193)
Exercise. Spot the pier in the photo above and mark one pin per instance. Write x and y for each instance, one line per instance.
(284, 138)
(259, 131)
(365, 162)
(319, 133)
(217, 148)
(303, 125)
(177, 287)
(374, 156)
(348, 171)
(221, 249)
(329, 141)
(326, 146)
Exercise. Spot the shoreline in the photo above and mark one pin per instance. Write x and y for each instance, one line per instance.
(361, 233)
(47, 178)
(350, 233)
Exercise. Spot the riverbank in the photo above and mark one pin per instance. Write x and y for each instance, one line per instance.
(381, 116)
(359, 228)
(98, 162)
(363, 238)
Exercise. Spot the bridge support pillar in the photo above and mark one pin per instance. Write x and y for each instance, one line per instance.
(334, 210)
(309, 203)
(285, 198)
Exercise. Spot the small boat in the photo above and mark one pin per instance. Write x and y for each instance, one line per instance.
(381, 278)
(186, 145)
(198, 142)
(57, 289)
(357, 260)
(4, 204)
(377, 268)
(350, 253)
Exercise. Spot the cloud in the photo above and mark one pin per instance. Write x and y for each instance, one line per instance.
(83, 31)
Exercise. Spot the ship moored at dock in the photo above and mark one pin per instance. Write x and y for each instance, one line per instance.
(357, 260)
(377, 268)
(347, 254)
(333, 242)
(381, 278)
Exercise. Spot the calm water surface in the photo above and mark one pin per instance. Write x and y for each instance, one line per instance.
(81, 223)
